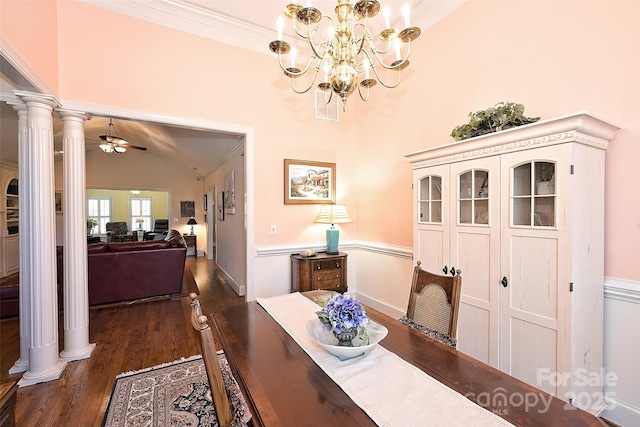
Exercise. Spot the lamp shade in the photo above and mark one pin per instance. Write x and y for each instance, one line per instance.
(192, 222)
(333, 214)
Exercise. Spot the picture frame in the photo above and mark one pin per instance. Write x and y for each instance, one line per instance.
(221, 206)
(187, 209)
(58, 201)
(309, 182)
(230, 193)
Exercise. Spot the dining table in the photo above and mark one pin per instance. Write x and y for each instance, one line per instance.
(285, 386)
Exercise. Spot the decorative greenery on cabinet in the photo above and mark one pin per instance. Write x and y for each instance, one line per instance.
(502, 116)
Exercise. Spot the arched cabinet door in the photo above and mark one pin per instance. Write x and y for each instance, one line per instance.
(474, 249)
(535, 268)
(431, 217)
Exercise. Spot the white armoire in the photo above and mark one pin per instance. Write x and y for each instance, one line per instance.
(521, 214)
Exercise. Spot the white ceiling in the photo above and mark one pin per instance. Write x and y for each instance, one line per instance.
(247, 24)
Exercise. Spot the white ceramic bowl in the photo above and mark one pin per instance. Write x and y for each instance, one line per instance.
(329, 342)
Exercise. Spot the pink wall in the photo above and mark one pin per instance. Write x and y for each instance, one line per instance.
(555, 58)
(152, 68)
(37, 48)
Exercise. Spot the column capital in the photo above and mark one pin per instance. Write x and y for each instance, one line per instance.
(72, 113)
(49, 100)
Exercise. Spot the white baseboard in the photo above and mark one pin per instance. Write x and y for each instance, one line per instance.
(382, 307)
(241, 290)
(622, 413)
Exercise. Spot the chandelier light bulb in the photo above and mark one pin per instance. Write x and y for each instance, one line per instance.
(280, 25)
(405, 14)
(386, 12)
(367, 66)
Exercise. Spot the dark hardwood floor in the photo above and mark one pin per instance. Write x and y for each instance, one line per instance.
(128, 338)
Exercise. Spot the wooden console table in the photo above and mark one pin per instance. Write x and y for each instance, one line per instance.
(190, 240)
(321, 271)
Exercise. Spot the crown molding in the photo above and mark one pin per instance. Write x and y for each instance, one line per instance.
(183, 16)
(191, 19)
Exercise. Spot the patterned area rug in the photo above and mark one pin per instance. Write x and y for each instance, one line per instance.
(174, 394)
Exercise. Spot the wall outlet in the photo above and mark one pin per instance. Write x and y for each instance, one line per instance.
(175, 219)
(274, 229)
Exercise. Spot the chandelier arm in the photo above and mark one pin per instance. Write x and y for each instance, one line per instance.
(363, 97)
(328, 100)
(366, 35)
(383, 83)
(313, 80)
(395, 64)
(300, 34)
(290, 72)
(315, 49)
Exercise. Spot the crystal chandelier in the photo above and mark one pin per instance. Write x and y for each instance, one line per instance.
(346, 55)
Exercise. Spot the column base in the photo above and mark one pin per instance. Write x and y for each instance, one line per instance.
(19, 366)
(30, 378)
(85, 353)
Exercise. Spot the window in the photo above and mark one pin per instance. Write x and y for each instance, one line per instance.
(140, 209)
(99, 208)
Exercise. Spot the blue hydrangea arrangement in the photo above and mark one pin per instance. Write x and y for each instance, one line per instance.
(343, 313)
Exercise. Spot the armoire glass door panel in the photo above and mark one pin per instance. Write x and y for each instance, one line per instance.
(473, 197)
(533, 194)
(430, 199)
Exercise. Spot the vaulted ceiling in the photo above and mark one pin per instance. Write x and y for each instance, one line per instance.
(247, 24)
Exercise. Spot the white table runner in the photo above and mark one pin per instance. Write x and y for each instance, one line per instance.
(391, 391)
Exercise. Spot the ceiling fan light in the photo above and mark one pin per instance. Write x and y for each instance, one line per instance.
(107, 148)
(119, 149)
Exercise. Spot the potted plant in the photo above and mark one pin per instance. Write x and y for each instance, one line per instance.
(503, 115)
(545, 172)
(91, 223)
(345, 317)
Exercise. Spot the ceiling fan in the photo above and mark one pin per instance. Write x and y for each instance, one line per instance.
(114, 143)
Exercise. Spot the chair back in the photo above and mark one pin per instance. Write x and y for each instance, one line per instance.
(210, 358)
(160, 225)
(434, 300)
(119, 227)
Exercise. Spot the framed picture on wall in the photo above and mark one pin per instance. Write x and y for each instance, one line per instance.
(58, 202)
(230, 193)
(187, 209)
(309, 182)
(221, 205)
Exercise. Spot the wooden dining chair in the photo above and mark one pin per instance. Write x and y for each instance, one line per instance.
(433, 304)
(228, 411)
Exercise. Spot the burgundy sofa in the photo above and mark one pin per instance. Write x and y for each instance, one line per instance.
(127, 271)
(118, 272)
(9, 301)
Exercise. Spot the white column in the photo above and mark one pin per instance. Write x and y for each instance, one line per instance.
(44, 363)
(22, 364)
(76, 294)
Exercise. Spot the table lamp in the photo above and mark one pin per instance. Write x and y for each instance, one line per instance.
(192, 222)
(333, 214)
(140, 221)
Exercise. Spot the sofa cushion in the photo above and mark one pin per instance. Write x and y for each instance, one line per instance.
(95, 248)
(138, 246)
